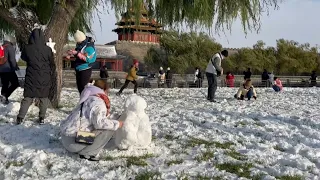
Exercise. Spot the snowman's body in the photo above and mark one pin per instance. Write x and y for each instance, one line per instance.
(136, 130)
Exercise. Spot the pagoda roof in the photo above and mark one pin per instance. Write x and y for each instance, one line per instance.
(143, 19)
(138, 27)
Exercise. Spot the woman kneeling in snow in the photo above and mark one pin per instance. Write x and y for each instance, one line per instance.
(277, 85)
(246, 90)
(90, 116)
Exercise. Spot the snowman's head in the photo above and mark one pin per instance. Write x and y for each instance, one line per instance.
(135, 103)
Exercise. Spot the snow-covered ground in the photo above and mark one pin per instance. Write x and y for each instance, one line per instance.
(276, 136)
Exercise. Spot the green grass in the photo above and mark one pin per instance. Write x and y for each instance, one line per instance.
(170, 137)
(279, 148)
(193, 142)
(241, 170)
(109, 158)
(236, 155)
(288, 177)
(14, 163)
(176, 161)
(205, 156)
(138, 160)
(148, 175)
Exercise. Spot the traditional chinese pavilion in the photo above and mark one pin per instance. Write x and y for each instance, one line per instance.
(146, 30)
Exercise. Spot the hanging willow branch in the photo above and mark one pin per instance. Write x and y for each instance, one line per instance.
(217, 14)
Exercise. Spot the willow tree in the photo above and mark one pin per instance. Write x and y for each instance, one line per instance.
(60, 17)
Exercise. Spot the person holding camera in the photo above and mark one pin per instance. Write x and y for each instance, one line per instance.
(213, 71)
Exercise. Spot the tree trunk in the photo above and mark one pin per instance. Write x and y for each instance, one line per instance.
(58, 29)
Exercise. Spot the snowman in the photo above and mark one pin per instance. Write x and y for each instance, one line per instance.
(136, 130)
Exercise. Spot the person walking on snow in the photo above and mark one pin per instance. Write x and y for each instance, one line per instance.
(169, 77)
(198, 77)
(246, 91)
(85, 55)
(131, 77)
(91, 115)
(214, 70)
(162, 77)
(277, 84)
(40, 75)
(8, 67)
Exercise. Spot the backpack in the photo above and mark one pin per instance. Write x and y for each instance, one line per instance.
(3, 60)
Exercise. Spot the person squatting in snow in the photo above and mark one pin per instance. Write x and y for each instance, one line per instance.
(277, 84)
(85, 55)
(131, 77)
(40, 75)
(8, 68)
(95, 107)
(246, 90)
(136, 130)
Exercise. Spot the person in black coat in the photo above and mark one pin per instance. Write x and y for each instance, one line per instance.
(40, 75)
(104, 72)
(247, 74)
(169, 78)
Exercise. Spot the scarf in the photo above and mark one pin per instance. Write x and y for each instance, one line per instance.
(106, 101)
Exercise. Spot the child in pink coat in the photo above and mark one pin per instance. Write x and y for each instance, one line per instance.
(277, 86)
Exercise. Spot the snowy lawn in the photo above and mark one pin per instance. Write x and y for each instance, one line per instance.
(276, 136)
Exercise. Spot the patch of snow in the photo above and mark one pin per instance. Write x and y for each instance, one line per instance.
(278, 134)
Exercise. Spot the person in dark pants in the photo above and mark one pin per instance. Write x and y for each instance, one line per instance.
(9, 78)
(213, 70)
(169, 78)
(247, 74)
(104, 72)
(131, 77)
(313, 78)
(40, 75)
(85, 54)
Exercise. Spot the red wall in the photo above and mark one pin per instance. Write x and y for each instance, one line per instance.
(139, 36)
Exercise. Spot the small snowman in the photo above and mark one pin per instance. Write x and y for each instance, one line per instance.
(136, 130)
(51, 45)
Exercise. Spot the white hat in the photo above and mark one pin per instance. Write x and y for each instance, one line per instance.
(9, 38)
(161, 68)
(79, 36)
(168, 68)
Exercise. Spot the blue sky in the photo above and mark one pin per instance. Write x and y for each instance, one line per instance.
(295, 20)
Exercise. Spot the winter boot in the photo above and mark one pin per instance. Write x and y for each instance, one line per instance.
(90, 158)
(41, 120)
(19, 120)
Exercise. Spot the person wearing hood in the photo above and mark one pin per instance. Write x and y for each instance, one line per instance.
(91, 115)
(214, 70)
(8, 66)
(85, 55)
(40, 75)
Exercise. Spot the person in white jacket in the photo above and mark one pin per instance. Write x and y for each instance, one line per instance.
(95, 109)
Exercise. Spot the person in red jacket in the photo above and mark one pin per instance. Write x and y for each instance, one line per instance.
(230, 79)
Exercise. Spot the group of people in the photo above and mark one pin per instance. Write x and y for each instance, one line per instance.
(165, 77)
(40, 77)
(246, 90)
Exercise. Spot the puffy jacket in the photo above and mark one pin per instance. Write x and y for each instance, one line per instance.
(214, 64)
(87, 48)
(132, 75)
(10, 55)
(93, 115)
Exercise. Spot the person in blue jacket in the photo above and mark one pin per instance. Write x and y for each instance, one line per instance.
(85, 55)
